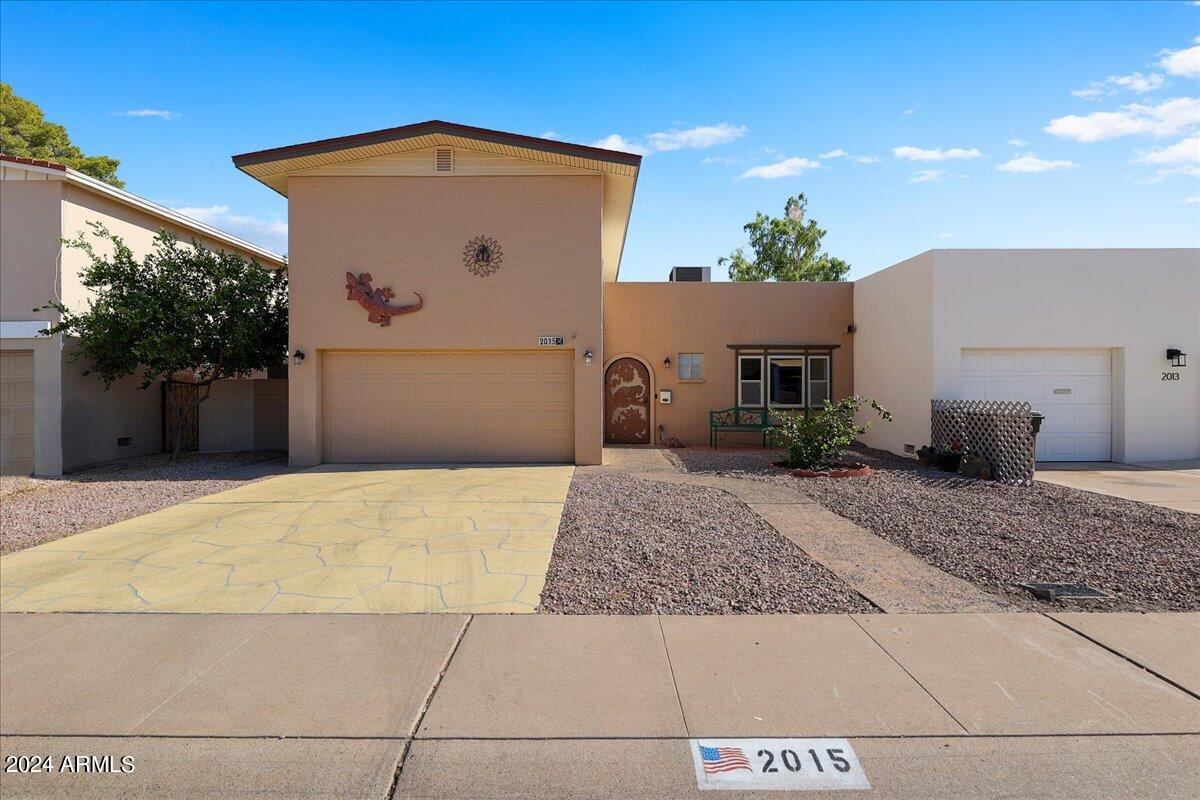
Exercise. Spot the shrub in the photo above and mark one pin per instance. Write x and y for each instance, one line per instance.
(811, 440)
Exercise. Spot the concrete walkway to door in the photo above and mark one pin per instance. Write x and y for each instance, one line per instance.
(335, 538)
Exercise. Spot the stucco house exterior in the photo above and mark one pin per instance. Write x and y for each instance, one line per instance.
(1083, 335)
(505, 335)
(455, 298)
(52, 417)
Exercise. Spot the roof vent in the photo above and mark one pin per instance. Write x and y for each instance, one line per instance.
(445, 161)
(691, 274)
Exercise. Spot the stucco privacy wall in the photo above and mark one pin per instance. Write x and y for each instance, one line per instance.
(95, 420)
(409, 233)
(1136, 302)
(244, 414)
(654, 320)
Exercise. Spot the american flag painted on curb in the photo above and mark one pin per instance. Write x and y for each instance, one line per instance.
(723, 759)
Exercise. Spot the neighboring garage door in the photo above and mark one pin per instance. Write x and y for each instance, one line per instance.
(448, 406)
(16, 413)
(1073, 388)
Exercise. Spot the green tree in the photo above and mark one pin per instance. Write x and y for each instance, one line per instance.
(24, 132)
(182, 314)
(785, 249)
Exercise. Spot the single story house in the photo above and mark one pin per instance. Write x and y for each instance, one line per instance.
(455, 297)
(53, 417)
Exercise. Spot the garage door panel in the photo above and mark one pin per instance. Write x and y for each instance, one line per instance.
(447, 406)
(1073, 388)
(16, 413)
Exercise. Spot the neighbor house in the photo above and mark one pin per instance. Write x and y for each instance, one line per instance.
(454, 297)
(52, 416)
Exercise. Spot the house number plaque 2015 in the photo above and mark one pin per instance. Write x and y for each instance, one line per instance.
(552, 341)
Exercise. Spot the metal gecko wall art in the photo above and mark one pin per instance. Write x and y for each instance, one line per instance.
(375, 301)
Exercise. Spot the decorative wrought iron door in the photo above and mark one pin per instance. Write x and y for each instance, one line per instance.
(627, 402)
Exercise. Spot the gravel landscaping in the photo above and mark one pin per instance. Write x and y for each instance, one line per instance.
(37, 510)
(999, 536)
(632, 546)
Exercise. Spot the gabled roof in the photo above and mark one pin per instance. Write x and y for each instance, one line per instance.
(55, 171)
(274, 166)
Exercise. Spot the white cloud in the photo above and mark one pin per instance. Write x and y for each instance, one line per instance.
(149, 112)
(1179, 153)
(917, 154)
(908, 112)
(1182, 62)
(697, 138)
(926, 176)
(1135, 82)
(1190, 201)
(1017, 142)
(840, 153)
(946, 235)
(1165, 119)
(551, 135)
(787, 168)
(268, 233)
(1028, 162)
(615, 141)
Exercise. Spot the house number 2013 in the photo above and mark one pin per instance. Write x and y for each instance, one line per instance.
(1170, 376)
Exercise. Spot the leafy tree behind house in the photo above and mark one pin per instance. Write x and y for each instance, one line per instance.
(785, 249)
(24, 132)
(183, 314)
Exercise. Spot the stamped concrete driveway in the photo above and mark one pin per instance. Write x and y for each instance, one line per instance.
(346, 539)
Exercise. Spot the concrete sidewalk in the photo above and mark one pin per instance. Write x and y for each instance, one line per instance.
(447, 706)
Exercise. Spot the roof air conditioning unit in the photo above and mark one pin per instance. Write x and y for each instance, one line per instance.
(445, 161)
(691, 274)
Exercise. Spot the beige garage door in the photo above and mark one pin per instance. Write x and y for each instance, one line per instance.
(448, 406)
(16, 413)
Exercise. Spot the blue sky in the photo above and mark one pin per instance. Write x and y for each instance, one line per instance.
(973, 125)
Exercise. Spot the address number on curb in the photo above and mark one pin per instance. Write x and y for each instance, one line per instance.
(774, 764)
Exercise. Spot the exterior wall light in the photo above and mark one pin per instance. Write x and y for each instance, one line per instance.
(1177, 357)
(667, 362)
(298, 356)
(587, 357)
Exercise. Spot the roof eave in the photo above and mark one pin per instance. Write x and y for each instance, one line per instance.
(432, 127)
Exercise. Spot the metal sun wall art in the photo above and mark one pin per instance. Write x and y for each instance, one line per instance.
(482, 256)
(375, 301)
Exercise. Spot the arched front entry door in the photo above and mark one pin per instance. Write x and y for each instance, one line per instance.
(627, 402)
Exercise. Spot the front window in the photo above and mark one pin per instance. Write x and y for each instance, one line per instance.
(818, 380)
(750, 381)
(787, 381)
(691, 366)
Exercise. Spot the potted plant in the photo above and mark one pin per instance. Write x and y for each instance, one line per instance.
(947, 461)
(812, 442)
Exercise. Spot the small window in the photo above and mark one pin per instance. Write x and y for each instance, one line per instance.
(691, 366)
(124, 441)
(750, 381)
(818, 381)
(787, 381)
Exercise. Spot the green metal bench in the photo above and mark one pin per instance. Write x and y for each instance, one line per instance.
(746, 420)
